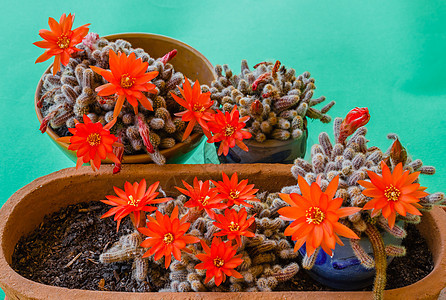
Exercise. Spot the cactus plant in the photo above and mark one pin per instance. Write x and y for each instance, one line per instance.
(354, 162)
(276, 100)
(70, 93)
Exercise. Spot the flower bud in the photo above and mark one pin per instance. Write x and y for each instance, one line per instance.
(357, 117)
(145, 134)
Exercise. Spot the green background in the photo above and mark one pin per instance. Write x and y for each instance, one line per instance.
(387, 55)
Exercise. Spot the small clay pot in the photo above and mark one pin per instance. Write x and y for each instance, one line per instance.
(25, 210)
(188, 61)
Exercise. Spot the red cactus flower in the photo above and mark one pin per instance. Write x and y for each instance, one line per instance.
(234, 224)
(227, 129)
(393, 193)
(219, 260)
(233, 192)
(197, 106)
(166, 236)
(201, 196)
(127, 78)
(315, 217)
(92, 142)
(356, 118)
(134, 200)
(60, 42)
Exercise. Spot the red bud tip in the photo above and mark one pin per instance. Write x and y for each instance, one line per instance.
(144, 132)
(260, 63)
(356, 118)
(275, 69)
(169, 56)
(260, 79)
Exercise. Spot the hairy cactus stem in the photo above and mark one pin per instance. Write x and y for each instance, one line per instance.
(262, 78)
(119, 152)
(168, 56)
(47, 94)
(379, 252)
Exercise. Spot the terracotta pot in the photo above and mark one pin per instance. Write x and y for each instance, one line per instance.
(189, 61)
(25, 210)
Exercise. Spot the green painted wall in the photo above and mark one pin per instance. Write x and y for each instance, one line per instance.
(387, 55)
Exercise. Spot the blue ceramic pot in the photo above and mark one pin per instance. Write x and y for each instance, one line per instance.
(343, 271)
(271, 151)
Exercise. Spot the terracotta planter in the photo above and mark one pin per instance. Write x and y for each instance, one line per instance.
(25, 210)
(189, 61)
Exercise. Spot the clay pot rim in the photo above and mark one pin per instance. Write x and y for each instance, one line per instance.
(138, 158)
(29, 288)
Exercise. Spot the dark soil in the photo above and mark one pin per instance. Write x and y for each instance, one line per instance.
(43, 255)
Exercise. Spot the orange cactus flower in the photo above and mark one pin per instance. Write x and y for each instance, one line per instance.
(393, 193)
(233, 192)
(197, 106)
(166, 236)
(92, 142)
(127, 78)
(134, 200)
(227, 129)
(219, 260)
(315, 217)
(201, 196)
(60, 41)
(234, 224)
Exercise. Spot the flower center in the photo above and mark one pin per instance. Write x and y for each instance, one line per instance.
(234, 194)
(132, 201)
(392, 193)
(204, 200)
(127, 81)
(314, 215)
(233, 226)
(63, 42)
(229, 130)
(218, 262)
(198, 107)
(94, 139)
(168, 238)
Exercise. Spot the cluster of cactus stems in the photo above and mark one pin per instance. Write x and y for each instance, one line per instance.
(268, 257)
(70, 94)
(350, 160)
(276, 101)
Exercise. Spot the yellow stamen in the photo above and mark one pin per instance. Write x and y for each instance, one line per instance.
(63, 42)
(234, 194)
(132, 201)
(168, 238)
(229, 130)
(126, 81)
(218, 262)
(314, 215)
(94, 139)
(233, 226)
(392, 193)
(204, 201)
(198, 107)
